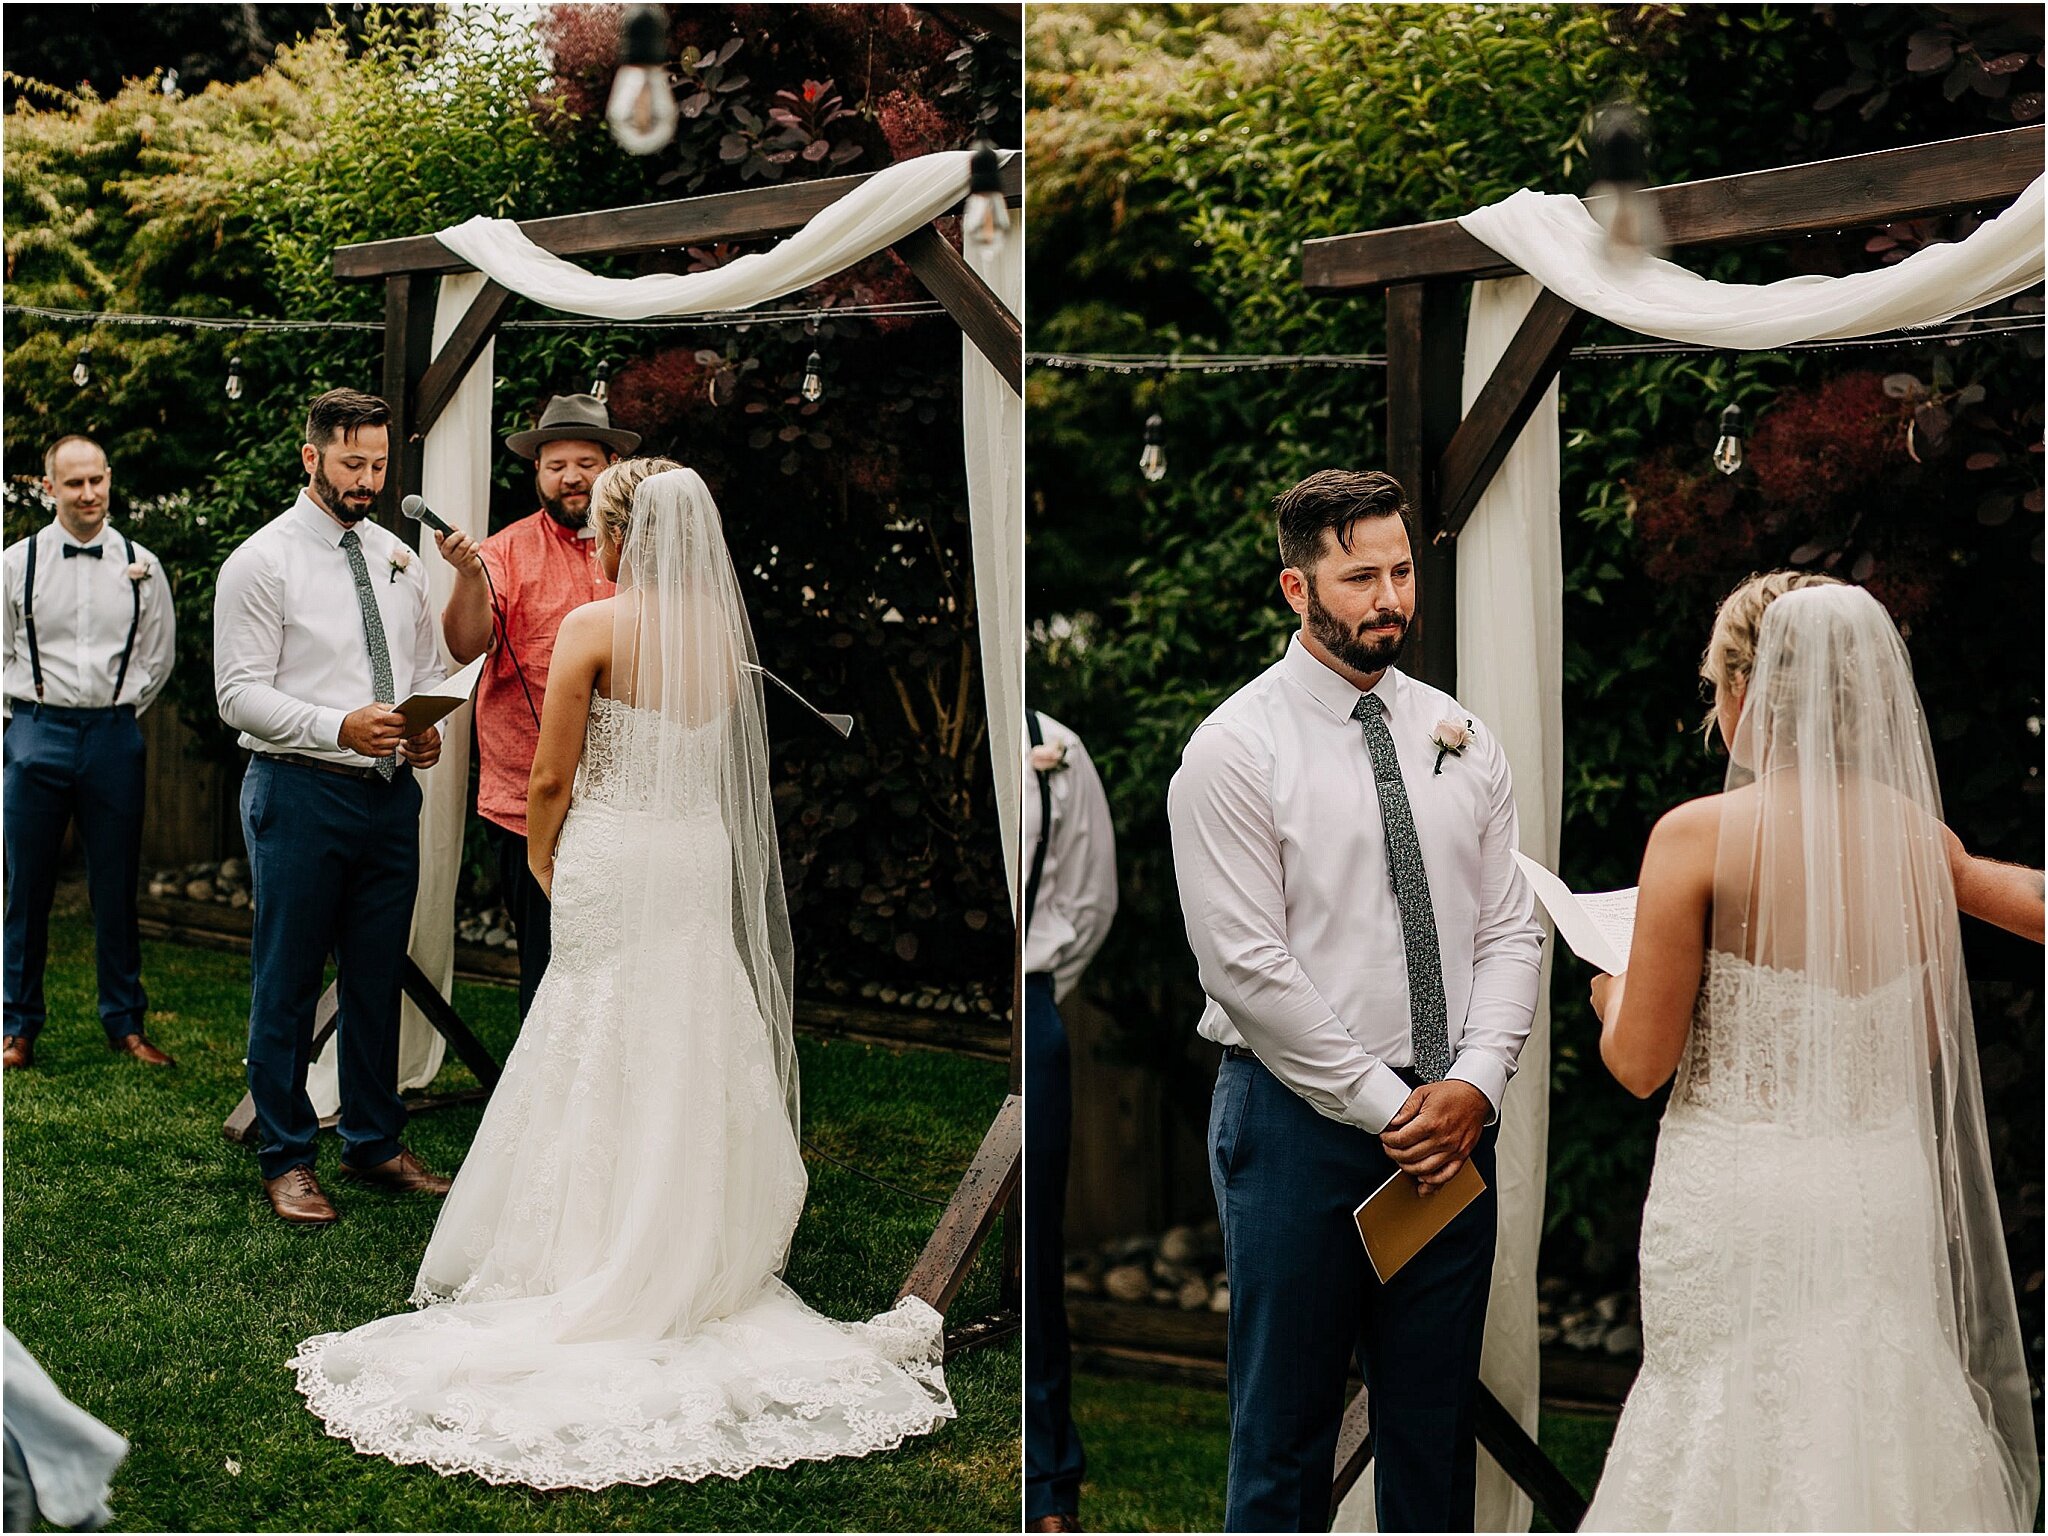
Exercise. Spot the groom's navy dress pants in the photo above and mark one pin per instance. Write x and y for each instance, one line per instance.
(64, 764)
(1053, 1463)
(335, 864)
(1304, 1301)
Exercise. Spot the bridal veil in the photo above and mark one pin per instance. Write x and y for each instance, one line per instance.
(1832, 891)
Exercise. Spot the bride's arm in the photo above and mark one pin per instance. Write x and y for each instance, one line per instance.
(1644, 1023)
(581, 647)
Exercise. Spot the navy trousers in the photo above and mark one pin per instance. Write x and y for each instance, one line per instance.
(63, 764)
(335, 865)
(1053, 1462)
(1304, 1302)
(531, 914)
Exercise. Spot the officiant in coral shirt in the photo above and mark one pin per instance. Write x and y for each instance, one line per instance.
(538, 569)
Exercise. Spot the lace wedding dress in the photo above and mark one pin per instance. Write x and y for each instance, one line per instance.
(1830, 1337)
(600, 1301)
(1841, 1408)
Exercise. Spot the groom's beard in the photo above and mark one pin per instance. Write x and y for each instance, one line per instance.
(1355, 650)
(351, 508)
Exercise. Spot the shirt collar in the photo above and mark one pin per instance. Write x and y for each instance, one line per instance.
(105, 535)
(1327, 688)
(311, 515)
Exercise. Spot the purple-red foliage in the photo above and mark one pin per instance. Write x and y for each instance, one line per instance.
(1815, 448)
(1688, 522)
(654, 395)
(913, 126)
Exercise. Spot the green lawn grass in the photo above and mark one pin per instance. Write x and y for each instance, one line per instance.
(145, 1270)
(1157, 1453)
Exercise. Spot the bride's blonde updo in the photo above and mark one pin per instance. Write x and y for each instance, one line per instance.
(1730, 657)
(611, 498)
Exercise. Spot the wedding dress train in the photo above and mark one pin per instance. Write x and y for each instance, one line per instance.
(600, 1301)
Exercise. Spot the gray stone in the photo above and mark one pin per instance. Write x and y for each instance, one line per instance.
(1546, 1334)
(1194, 1295)
(234, 869)
(199, 890)
(1163, 1295)
(1178, 1245)
(239, 900)
(1081, 1283)
(1607, 1308)
(496, 938)
(1624, 1339)
(1219, 1299)
(1585, 1336)
(1128, 1282)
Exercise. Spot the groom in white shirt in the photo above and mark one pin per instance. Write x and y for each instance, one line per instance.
(320, 626)
(1342, 837)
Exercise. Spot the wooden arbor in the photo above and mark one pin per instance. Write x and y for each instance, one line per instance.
(1446, 463)
(419, 383)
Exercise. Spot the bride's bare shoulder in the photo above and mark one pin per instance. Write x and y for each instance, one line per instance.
(1689, 830)
(590, 625)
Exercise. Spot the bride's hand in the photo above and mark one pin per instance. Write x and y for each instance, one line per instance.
(1606, 996)
(544, 877)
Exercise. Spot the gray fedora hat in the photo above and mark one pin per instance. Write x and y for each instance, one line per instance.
(577, 418)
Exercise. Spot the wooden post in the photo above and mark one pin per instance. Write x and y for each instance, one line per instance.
(408, 344)
(1424, 359)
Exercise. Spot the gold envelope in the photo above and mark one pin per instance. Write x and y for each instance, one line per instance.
(1397, 1221)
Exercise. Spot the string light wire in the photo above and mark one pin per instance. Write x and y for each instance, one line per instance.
(912, 309)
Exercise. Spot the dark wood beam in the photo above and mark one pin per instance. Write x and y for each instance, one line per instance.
(1526, 1466)
(442, 1015)
(451, 364)
(1354, 1448)
(1853, 192)
(408, 344)
(753, 214)
(970, 301)
(990, 1180)
(1425, 347)
(1497, 417)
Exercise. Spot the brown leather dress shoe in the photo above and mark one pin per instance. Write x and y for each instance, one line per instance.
(19, 1053)
(1054, 1523)
(404, 1174)
(138, 1046)
(296, 1196)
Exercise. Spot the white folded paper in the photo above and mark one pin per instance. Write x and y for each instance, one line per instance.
(1598, 925)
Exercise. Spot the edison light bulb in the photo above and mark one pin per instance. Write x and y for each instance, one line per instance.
(234, 378)
(1152, 462)
(814, 386)
(1728, 449)
(642, 109)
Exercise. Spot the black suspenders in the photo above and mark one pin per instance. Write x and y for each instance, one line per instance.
(134, 618)
(28, 614)
(1044, 820)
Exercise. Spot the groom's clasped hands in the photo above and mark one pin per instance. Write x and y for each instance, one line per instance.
(1434, 1131)
(378, 730)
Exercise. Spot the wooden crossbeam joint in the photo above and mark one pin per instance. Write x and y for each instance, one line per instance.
(451, 364)
(1502, 1437)
(971, 302)
(991, 1179)
(1483, 439)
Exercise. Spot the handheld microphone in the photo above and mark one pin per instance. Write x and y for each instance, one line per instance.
(416, 508)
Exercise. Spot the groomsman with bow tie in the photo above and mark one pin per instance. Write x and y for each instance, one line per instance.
(1342, 838)
(89, 634)
(320, 627)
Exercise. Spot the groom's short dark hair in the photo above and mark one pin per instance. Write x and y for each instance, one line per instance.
(1334, 499)
(342, 413)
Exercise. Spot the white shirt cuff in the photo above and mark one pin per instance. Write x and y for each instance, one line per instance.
(1484, 1073)
(329, 728)
(1378, 1098)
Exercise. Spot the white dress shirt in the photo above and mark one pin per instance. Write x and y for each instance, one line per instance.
(290, 659)
(1280, 853)
(1077, 887)
(84, 608)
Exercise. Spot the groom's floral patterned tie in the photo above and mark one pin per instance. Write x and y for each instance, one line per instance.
(373, 633)
(1426, 1007)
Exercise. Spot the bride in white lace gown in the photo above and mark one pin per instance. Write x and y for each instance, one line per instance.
(600, 1301)
(1830, 1340)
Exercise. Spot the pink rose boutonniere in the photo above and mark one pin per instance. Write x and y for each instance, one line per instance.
(401, 560)
(140, 571)
(1450, 740)
(1049, 757)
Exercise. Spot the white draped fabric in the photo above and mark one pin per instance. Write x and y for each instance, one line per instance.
(1553, 239)
(456, 482)
(1510, 600)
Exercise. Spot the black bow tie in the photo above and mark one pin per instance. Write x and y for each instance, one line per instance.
(90, 551)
